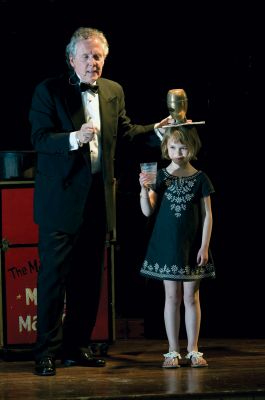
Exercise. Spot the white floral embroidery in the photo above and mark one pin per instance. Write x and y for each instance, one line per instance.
(177, 272)
(178, 193)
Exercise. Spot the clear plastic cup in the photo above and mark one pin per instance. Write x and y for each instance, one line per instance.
(150, 169)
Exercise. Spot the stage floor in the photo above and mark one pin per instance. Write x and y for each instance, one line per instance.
(133, 371)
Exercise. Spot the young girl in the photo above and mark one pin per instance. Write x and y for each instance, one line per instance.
(178, 250)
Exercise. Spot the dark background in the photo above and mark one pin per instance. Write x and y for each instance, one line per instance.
(208, 52)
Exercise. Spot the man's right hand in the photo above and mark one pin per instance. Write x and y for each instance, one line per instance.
(86, 133)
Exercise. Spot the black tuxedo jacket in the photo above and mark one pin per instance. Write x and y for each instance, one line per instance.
(63, 177)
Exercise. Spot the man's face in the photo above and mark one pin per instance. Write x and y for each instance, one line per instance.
(89, 60)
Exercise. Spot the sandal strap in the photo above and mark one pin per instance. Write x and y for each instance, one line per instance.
(172, 354)
(194, 354)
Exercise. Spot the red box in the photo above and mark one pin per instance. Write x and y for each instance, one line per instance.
(19, 269)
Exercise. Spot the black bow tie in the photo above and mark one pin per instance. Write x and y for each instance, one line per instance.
(87, 86)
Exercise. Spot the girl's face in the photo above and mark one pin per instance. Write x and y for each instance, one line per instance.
(177, 151)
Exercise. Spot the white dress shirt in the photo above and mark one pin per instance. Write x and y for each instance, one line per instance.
(91, 110)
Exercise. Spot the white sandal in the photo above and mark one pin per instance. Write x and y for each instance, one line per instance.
(196, 359)
(171, 360)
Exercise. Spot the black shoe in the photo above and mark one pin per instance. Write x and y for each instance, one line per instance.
(45, 366)
(84, 359)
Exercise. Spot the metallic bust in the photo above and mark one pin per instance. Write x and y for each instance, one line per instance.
(177, 103)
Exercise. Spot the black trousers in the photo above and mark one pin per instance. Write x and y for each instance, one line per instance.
(69, 279)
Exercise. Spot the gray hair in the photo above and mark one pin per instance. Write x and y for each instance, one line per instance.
(83, 34)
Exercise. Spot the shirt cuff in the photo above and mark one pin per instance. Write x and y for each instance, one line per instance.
(159, 132)
(73, 141)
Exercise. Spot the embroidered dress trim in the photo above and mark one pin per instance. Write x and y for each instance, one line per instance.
(174, 272)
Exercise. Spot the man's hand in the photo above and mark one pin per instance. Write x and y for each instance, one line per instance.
(86, 133)
(166, 121)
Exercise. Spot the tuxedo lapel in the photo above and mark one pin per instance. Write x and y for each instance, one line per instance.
(74, 105)
(73, 100)
(108, 109)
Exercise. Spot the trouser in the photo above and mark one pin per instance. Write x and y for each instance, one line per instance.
(71, 270)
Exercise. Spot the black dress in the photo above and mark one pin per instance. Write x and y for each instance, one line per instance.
(176, 236)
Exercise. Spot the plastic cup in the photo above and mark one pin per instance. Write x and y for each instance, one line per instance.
(150, 169)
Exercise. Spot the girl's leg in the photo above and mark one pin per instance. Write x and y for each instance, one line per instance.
(173, 298)
(193, 321)
(191, 298)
